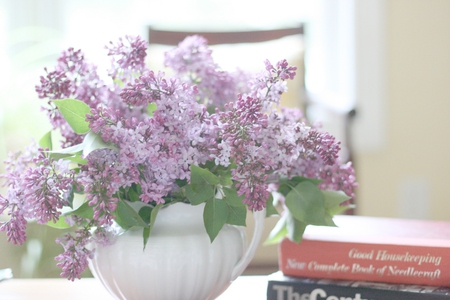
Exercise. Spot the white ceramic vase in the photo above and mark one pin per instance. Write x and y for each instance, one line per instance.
(179, 261)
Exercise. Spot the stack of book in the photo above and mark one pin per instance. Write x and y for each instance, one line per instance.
(365, 258)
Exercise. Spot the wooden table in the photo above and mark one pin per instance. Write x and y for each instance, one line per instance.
(245, 287)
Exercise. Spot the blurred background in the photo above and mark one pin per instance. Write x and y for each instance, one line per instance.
(387, 60)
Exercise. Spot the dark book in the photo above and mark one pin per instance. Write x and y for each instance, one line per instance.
(282, 287)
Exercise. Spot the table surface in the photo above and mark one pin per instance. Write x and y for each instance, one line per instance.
(244, 287)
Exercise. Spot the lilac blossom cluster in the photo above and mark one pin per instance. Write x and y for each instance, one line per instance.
(193, 62)
(74, 77)
(38, 189)
(203, 114)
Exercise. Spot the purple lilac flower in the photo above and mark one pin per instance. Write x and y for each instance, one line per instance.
(72, 78)
(193, 62)
(191, 55)
(339, 178)
(164, 146)
(16, 164)
(15, 227)
(246, 131)
(247, 135)
(13, 203)
(262, 144)
(321, 144)
(128, 57)
(270, 84)
(105, 235)
(292, 115)
(44, 194)
(127, 64)
(240, 128)
(317, 156)
(55, 85)
(74, 260)
(46, 187)
(149, 88)
(74, 220)
(86, 84)
(38, 189)
(101, 180)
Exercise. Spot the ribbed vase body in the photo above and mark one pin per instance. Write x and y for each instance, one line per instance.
(179, 261)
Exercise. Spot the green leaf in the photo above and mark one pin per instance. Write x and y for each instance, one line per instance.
(145, 236)
(74, 112)
(181, 182)
(297, 179)
(339, 209)
(278, 232)
(136, 205)
(147, 230)
(46, 141)
(287, 184)
(232, 198)
(200, 194)
(76, 159)
(215, 215)
(225, 176)
(287, 226)
(305, 202)
(270, 208)
(237, 215)
(237, 210)
(93, 141)
(295, 228)
(200, 177)
(329, 220)
(127, 217)
(60, 224)
(223, 173)
(151, 108)
(72, 154)
(83, 211)
(69, 151)
(155, 212)
(210, 165)
(133, 195)
(226, 180)
(334, 198)
(202, 186)
(145, 213)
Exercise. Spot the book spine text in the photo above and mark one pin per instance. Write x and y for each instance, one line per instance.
(287, 290)
(370, 262)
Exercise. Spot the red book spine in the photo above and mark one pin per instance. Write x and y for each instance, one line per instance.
(403, 264)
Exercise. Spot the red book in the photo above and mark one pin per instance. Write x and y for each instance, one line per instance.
(372, 249)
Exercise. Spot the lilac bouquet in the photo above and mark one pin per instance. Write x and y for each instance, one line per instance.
(138, 141)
